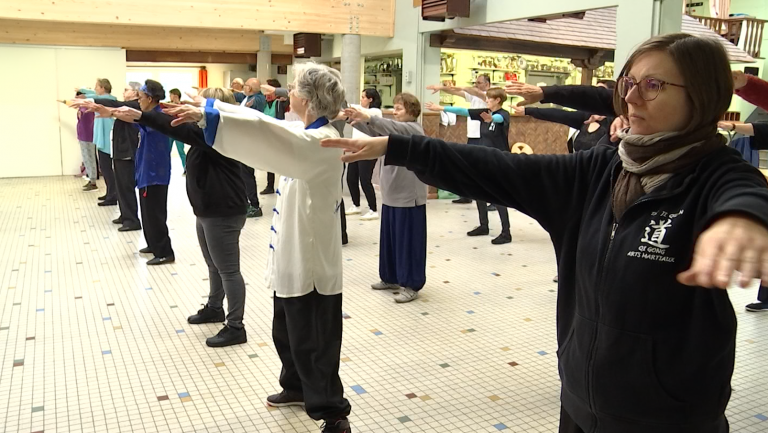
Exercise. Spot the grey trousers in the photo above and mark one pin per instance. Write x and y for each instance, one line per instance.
(219, 239)
(88, 152)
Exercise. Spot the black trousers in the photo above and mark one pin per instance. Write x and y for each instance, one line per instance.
(125, 180)
(482, 210)
(154, 214)
(271, 181)
(249, 179)
(361, 172)
(762, 294)
(105, 165)
(567, 424)
(344, 238)
(306, 331)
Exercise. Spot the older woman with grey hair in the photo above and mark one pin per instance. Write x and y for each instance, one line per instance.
(304, 268)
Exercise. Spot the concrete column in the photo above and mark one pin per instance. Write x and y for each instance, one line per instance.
(351, 71)
(634, 25)
(264, 59)
(427, 71)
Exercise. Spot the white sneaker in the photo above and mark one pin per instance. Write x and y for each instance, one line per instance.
(381, 285)
(370, 216)
(406, 295)
(353, 210)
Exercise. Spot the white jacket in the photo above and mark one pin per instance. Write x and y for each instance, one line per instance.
(305, 248)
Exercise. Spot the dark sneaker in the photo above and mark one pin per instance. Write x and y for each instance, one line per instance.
(462, 200)
(254, 212)
(267, 191)
(337, 426)
(285, 398)
(228, 336)
(117, 221)
(102, 198)
(108, 203)
(129, 228)
(161, 261)
(90, 186)
(145, 250)
(479, 231)
(503, 238)
(207, 315)
(758, 307)
(492, 208)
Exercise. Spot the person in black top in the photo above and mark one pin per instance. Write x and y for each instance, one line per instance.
(217, 195)
(590, 132)
(647, 236)
(494, 133)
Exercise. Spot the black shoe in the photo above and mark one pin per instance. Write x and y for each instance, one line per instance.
(108, 203)
(102, 198)
(117, 221)
(462, 200)
(145, 250)
(337, 426)
(228, 336)
(492, 208)
(503, 238)
(344, 239)
(285, 398)
(758, 307)
(161, 261)
(254, 212)
(479, 231)
(129, 228)
(267, 191)
(206, 315)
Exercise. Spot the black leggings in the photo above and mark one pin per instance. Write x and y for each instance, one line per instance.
(362, 172)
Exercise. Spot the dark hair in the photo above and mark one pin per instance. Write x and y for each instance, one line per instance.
(274, 83)
(486, 77)
(103, 82)
(410, 103)
(373, 94)
(497, 93)
(176, 92)
(610, 84)
(706, 72)
(154, 90)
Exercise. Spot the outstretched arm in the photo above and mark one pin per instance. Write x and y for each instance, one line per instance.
(573, 119)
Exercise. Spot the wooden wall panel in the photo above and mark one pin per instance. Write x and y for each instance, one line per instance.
(135, 37)
(365, 17)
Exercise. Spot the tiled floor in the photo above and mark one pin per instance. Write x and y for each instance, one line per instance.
(93, 341)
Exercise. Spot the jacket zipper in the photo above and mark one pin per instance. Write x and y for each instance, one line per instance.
(593, 351)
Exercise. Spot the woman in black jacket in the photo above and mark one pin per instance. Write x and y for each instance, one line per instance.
(217, 195)
(642, 234)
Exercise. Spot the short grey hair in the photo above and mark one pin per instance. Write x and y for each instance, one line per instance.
(134, 85)
(321, 86)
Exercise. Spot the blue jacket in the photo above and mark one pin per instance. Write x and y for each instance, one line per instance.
(153, 157)
(259, 101)
(744, 146)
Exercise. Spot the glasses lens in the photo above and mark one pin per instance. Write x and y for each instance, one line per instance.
(651, 88)
(625, 85)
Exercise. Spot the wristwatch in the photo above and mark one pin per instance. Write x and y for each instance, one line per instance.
(733, 127)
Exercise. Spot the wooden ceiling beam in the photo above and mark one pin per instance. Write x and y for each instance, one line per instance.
(189, 57)
(369, 17)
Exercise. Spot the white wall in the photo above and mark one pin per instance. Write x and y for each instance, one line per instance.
(39, 134)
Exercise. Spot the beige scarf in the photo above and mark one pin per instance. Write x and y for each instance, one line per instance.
(650, 160)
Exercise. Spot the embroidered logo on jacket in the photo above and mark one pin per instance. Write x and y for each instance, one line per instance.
(652, 244)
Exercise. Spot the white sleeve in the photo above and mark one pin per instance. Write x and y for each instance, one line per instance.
(273, 145)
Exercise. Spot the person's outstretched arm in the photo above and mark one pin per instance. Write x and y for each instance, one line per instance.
(265, 143)
(496, 118)
(161, 122)
(595, 100)
(572, 119)
(751, 89)
(550, 188)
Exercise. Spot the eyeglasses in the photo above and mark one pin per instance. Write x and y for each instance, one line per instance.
(649, 88)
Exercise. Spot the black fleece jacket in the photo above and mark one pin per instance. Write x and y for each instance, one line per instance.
(638, 351)
(574, 119)
(214, 185)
